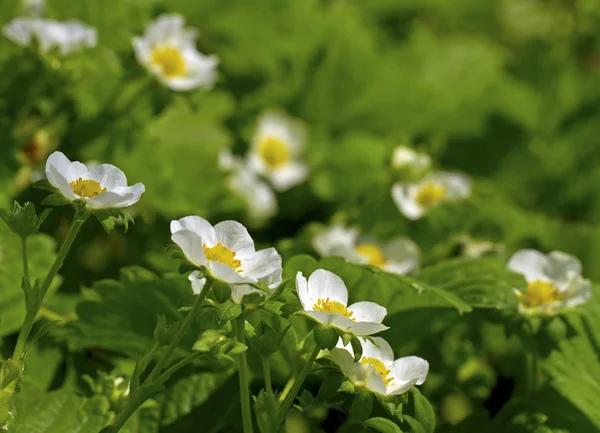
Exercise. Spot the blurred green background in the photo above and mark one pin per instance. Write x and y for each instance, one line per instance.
(507, 91)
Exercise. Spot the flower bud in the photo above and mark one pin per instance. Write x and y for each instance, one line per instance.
(23, 220)
(163, 333)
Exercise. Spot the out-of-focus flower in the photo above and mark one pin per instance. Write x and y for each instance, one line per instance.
(405, 159)
(477, 248)
(377, 370)
(277, 149)
(415, 199)
(324, 297)
(34, 8)
(104, 186)
(168, 50)
(226, 250)
(398, 256)
(554, 282)
(65, 36)
(260, 199)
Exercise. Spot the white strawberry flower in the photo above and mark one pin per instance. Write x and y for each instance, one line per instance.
(168, 50)
(414, 200)
(324, 297)
(377, 370)
(554, 282)
(64, 36)
(397, 256)
(260, 199)
(102, 186)
(238, 291)
(277, 148)
(226, 250)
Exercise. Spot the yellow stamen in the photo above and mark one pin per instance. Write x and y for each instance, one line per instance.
(430, 194)
(87, 188)
(540, 293)
(334, 307)
(220, 253)
(372, 253)
(170, 61)
(273, 152)
(379, 367)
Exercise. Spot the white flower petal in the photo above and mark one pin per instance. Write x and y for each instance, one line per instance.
(289, 175)
(119, 197)
(407, 372)
(578, 291)
(402, 256)
(335, 240)
(234, 236)
(302, 289)
(560, 266)
(367, 328)
(197, 225)
(191, 245)
(458, 186)
(262, 264)
(323, 284)
(197, 283)
(290, 131)
(21, 30)
(108, 176)
(381, 350)
(340, 321)
(320, 316)
(228, 274)
(375, 382)
(259, 197)
(346, 363)
(365, 311)
(529, 263)
(404, 197)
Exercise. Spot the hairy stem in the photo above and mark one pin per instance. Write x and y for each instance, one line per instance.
(60, 258)
(289, 400)
(244, 377)
(267, 372)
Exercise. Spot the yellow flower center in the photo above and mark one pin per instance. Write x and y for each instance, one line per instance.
(222, 254)
(86, 188)
(334, 307)
(430, 194)
(273, 152)
(379, 367)
(170, 61)
(540, 293)
(372, 253)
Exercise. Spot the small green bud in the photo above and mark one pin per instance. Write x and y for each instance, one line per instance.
(357, 348)
(325, 336)
(163, 333)
(362, 405)
(23, 220)
(265, 340)
(209, 340)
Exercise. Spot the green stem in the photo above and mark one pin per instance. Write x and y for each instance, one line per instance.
(180, 333)
(287, 403)
(267, 372)
(287, 389)
(136, 400)
(60, 258)
(25, 262)
(178, 365)
(244, 376)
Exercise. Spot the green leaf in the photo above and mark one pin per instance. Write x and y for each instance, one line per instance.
(383, 425)
(56, 200)
(424, 412)
(415, 425)
(59, 412)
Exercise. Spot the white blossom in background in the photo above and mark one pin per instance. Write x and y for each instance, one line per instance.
(377, 370)
(324, 298)
(226, 250)
(277, 150)
(406, 159)
(168, 50)
(260, 199)
(554, 282)
(397, 256)
(415, 199)
(103, 186)
(64, 36)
